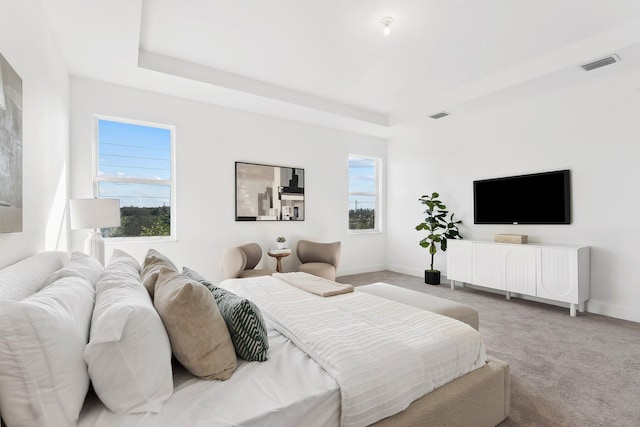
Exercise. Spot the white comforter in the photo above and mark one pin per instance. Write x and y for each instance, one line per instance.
(288, 390)
(383, 354)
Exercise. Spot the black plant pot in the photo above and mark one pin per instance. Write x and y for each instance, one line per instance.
(432, 277)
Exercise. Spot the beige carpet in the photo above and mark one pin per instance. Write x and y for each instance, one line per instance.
(565, 371)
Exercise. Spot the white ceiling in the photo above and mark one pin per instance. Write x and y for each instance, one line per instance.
(327, 62)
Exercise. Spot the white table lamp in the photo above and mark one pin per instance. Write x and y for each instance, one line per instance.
(94, 214)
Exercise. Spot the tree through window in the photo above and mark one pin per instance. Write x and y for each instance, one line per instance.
(135, 165)
(363, 193)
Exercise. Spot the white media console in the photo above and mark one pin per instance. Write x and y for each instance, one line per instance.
(554, 272)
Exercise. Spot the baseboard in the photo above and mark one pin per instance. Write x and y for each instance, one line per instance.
(591, 306)
(610, 310)
(405, 270)
(360, 270)
(417, 273)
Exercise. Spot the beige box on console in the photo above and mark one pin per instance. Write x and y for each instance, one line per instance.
(511, 238)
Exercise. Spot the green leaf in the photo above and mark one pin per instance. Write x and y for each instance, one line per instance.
(437, 225)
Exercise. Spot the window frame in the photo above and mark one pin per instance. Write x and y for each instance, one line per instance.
(171, 182)
(377, 195)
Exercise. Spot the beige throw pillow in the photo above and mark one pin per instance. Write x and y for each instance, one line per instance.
(154, 261)
(199, 336)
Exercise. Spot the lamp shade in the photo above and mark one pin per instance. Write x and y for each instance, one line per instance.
(94, 213)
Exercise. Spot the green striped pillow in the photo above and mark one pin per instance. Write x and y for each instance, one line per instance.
(243, 319)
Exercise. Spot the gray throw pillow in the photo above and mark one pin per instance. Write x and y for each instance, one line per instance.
(243, 319)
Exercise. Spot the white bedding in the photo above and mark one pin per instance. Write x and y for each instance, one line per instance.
(383, 354)
(293, 389)
(289, 389)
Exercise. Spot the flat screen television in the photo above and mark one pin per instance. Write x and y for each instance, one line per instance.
(540, 198)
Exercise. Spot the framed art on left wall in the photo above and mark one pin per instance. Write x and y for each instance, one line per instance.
(10, 148)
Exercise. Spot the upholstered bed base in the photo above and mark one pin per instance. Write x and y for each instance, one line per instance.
(479, 398)
(431, 303)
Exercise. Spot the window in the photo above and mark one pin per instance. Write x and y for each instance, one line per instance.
(364, 193)
(134, 163)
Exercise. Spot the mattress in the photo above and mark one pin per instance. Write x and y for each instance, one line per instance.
(289, 389)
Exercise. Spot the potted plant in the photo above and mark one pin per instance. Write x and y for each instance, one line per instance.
(280, 241)
(439, 228)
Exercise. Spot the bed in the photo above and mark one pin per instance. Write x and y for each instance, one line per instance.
(292, 388)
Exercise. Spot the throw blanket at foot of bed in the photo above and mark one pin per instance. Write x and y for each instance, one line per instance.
(314, 284)
(383, 354)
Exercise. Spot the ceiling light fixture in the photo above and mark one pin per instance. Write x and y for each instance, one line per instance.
(386, 30)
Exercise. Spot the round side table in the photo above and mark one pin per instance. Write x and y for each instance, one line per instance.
(278, 257)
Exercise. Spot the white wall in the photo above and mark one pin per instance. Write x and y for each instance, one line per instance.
(591, 128)
(27, 44)
(209, 139)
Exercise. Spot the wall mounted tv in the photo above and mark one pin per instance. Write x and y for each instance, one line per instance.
(540, 198)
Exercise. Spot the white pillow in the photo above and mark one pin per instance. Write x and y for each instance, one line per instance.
(43, 376)
(79, 265)
(120, 256)
(26, 277)
(129, 354)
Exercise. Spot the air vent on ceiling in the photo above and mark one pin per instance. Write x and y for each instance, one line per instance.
(439, 115)
(601, 63)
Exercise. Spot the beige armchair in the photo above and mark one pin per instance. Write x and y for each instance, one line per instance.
(241, 261)
(319, 259)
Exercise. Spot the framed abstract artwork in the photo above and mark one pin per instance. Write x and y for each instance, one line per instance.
(269, 193)
(10, 149)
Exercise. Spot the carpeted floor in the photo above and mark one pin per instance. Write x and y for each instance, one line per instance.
(565, 371)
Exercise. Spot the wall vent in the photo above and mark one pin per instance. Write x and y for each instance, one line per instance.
(439, 115)
(601, 63)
